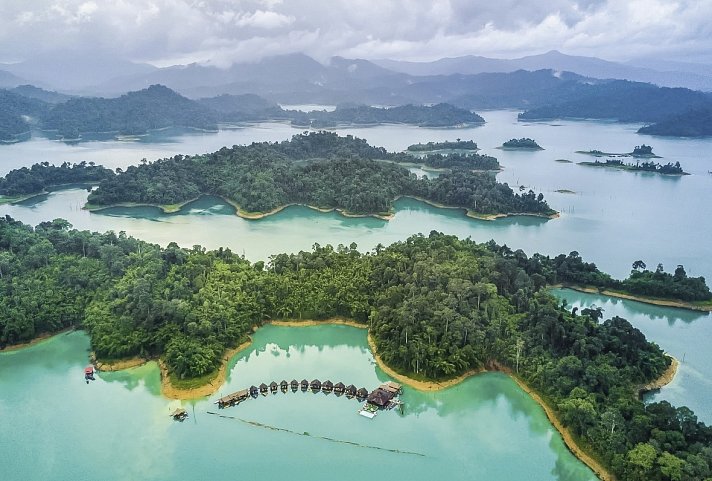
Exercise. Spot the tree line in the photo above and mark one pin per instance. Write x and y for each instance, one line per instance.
(318, 168)
(435, 305)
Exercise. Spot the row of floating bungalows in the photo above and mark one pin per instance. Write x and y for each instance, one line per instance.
(326, 387)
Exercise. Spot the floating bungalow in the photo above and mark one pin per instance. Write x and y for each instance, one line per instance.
(315, 385)
(284, 385)
(254, 391)
(380, 397)
(304, 384)
(233, 399)
(339, 388)
(350, 391)
(263, 389)
(327, 387)
(179, 414)
(273, 386)
(362, 393)
(294, 385)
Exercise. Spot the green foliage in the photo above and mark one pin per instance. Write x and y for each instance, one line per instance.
(523, 143)
(320, 169)
(696, 122)
(446, 145)
(436, 306)
(134, 113)
(39, 177)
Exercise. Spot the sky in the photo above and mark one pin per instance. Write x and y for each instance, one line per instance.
(221, 32)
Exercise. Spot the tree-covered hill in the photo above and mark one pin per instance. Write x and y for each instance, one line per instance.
(15, 110)
(134, 113)
(36, 179)
(319, 169)
(436, 306)
(621, 100)
(693, 123)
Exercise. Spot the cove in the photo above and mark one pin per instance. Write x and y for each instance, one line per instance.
(57, 427)
(681, 333)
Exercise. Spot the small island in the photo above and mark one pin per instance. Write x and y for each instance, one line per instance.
(639, 151)
(524, 143)
(446, 145)
(665, 169)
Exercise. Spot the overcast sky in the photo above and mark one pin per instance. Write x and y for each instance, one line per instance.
(220, 32)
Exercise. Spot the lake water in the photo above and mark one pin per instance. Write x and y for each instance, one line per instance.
(613, 218)
(55, 427)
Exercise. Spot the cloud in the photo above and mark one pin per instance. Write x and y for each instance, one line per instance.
(224, 31)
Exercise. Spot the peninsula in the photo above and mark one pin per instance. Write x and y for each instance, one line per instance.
(665, 169)
(484, 306)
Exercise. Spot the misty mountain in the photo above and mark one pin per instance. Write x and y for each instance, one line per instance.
(74, 72)
(9, 80)
(666, 74)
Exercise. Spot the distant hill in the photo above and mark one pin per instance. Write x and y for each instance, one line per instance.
(693, 123)
(236, 108)
(620, 100)
(9, 80)
(32, 92)
(16, 114)
(663, 74)
(134, 113)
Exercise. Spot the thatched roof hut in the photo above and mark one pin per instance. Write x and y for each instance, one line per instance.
(380, 397)
(362, 393)
(327, 386)
(263, 388)
(284, 385)
(339, 388)
(294, 385)
(304, 384)
(273, 386)
(315, 385)
(350, 390)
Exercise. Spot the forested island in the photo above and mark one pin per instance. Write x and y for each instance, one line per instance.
(694, 123)
(445, 145)
(25, 182)
(667, 169)
(521, 144)
(318, 169)
(467, 161)
(439, 115)
(435, 306)
(639, 151)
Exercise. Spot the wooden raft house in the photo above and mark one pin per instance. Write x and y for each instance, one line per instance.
(263, 389)
(339, 388)
(327, 386)
(350, 391)
(315, 385)
(294, 385)
(383, 396)
(233, 399)
(283, 386)
(304, 384)
(273, 387)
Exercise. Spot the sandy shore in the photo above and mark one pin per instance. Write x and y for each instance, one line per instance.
(172, 392)
(309, 322)
(108, 366)
(631, 297)
(665, 379)
(570, 442)
(40, 338)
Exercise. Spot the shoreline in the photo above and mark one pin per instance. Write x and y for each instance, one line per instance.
(599, 470)
(45, 336)
(474, 215)
(633, 297)
(171, 391)
(665, 378)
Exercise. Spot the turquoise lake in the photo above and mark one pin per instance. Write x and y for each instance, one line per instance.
(485, 428)
(118, 427)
